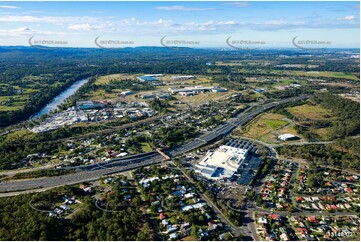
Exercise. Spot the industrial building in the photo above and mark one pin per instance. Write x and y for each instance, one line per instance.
(196, 90)
(148, 78)
(286, 137)
(89, 105)
(181, 78)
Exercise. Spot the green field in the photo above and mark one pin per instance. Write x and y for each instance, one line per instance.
(146, 147)
(266, 128)
(326, 74)
(275, 124)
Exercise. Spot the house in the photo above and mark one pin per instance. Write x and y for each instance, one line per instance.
(189, 195)
(284, 237)
(64, 207)
(312, 219)
(348, 190)
(165, 222)
(58, 211)
(162, 216)
(331, 207)
(108, 180)
(203, 234)
(212, 225)
(173, 235)
(88, 189)
(347, 206)
(225, 236)
(350, 178)
(310, 237)
(275, 216)
(262, 220)
(303, 231)
(171, 228)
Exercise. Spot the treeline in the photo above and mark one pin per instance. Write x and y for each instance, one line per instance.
(234, 82)
(323, 154)
(159, 105)
(172, 136)
(347, 112)
(288, 93)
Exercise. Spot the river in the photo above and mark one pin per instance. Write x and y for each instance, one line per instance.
(61, 98)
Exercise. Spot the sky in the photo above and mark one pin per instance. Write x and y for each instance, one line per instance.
(189, 24)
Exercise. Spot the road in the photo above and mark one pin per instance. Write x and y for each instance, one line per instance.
(95, 171)
(81, 176)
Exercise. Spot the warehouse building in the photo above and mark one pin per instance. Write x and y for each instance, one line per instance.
(286, 137)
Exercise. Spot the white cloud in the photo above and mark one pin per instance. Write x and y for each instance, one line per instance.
(156, 23)
(79, 27)
(46, 19)
(8, 7)
(16, 32)
(238, 4)
(107, 26)
(347, 18)
(182, 8)
(25, 31)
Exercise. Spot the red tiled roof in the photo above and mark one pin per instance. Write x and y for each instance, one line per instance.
(312, 219)
(348, 189)
(162, 216)
(302, 230)
(275, 216)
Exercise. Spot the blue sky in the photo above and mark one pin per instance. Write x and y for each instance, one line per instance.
(198, 24)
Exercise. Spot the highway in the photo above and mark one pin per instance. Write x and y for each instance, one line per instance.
(81, 176)
(95, 171)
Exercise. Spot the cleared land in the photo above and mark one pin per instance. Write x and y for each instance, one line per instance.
(267, 127)
(326, 74)
(308, 114)
(306, 111)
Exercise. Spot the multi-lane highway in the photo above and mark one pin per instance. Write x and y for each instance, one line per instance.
(95, 171)
(81, 176)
